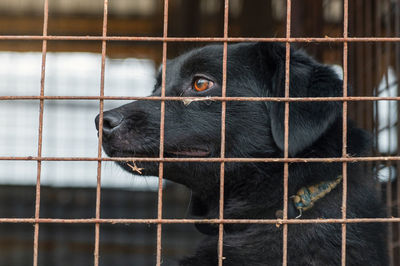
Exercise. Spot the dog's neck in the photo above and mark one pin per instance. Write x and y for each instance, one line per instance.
(265, 204)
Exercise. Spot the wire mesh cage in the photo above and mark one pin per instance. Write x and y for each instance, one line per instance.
(367, 48)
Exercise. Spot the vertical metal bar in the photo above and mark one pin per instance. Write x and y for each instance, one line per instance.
(98, 187)
(369, 72)
(344, 133)
(368, 67)
(378, 50)
(286, 133)
(389, 204)
(397, 67)
(162, 128)
(358, 76)
(40, 134)
(223, 118)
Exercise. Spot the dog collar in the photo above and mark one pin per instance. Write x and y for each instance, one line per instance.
(302, 201)
(307, 196)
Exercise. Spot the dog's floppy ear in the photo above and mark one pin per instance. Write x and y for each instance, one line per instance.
(307, 120)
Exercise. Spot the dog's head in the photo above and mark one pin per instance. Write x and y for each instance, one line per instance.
(253, 129)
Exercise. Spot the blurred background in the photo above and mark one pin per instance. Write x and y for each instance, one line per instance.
(73, 68)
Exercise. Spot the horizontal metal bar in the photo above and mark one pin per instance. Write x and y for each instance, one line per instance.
(195, 39)
(233, 99)
(209, 160)
(203, 221)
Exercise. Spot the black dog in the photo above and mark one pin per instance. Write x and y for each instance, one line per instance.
(256, 130)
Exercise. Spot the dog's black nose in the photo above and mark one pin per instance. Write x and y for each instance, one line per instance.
(111, 120)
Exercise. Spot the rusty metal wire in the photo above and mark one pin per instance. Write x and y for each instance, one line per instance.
(213, 98)
(162, 124)
(191, 221)
(286, 133)
(40, 136)
(97, 221)
(210, 160)
(223, 131)
(397, 67)
(197, 39)
(344, 132)
(389, 202)
(101, 102)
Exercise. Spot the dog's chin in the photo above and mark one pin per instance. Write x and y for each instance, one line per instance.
(168, 153)
(150, 168)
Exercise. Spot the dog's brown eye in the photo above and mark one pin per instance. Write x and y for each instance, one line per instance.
(202, 84)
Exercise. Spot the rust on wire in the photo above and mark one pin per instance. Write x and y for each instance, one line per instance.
(100, 142)
(378, 69)
(210, 160)
(344, 131)
(397, 67)
(213, 98)
(196, 39)
(192, 221)
(223, 131)
(162, 127)
(389, 203)
(286, 134)
(40, 134)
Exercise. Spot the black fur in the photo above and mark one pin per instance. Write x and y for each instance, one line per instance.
(255, 130)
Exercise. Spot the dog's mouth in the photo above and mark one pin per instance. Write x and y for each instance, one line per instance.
(189, 153)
